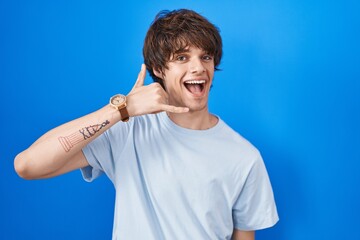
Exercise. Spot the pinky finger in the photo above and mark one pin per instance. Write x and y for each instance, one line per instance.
(173, 109)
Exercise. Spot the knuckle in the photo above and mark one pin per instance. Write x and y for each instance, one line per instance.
(158, 98)
(159, 91)
(154, 87)
(155, 84)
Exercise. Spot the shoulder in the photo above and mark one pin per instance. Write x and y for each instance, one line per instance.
(237, 151)
(238, 142)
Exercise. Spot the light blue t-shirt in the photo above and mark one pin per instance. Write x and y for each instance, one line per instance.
(177, 183)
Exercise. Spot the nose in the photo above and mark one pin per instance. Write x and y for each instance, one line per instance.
(196, 66)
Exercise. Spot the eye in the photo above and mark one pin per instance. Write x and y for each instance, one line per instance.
(207, 57)
(181, 58)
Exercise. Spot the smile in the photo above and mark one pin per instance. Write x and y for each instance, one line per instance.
(195, 86)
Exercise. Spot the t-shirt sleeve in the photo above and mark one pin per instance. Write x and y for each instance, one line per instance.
(255, 207)
(101, 154)
(94, 152)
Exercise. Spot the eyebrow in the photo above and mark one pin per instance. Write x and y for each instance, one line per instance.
(182, 50)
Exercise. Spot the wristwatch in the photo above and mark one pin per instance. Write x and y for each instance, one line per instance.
(118, 101)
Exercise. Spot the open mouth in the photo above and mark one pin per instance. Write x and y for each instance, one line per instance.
(195, 86)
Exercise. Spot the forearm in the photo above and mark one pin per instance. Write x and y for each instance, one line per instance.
(58, 151)
(243, 235)
(56, 148)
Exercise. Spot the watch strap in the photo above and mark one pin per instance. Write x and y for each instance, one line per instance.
(124, 114)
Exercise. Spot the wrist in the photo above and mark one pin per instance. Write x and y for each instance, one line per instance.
(112, 113)
(118, 102)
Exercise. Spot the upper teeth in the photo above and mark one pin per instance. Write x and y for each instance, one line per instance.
(195, 81)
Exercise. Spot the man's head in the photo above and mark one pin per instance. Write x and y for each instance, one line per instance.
(173, 32)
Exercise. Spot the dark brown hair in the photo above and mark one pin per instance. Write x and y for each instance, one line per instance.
(172, 32)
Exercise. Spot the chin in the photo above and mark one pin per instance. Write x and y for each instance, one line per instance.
(197, 108)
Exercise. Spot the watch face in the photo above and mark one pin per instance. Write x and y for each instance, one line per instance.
(118, 100)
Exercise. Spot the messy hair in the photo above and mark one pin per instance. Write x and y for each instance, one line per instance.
(173, 32)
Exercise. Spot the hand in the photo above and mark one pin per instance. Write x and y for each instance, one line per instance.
(149, 99)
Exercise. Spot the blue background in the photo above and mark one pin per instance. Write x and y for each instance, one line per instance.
(289, 83)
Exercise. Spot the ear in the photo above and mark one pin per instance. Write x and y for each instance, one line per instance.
(158, 73)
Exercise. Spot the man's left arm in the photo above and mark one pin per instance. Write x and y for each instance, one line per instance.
(243, 235)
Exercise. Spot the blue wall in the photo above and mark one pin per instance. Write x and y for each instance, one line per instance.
(289, 83)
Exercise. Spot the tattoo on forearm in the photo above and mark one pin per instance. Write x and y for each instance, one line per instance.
(70, 141)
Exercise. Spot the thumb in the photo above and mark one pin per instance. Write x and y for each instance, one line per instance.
(141, 77)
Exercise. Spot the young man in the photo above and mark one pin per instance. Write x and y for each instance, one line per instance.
(179, 171)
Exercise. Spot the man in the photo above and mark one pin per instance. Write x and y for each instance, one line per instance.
(179, 171)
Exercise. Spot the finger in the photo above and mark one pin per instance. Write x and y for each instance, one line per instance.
(173, 109)
(158, 90)
(141, 77)
(162, 93)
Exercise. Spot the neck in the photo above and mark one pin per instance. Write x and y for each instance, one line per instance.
(196, 120)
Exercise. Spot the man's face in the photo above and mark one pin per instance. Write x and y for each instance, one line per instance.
(188, 79)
